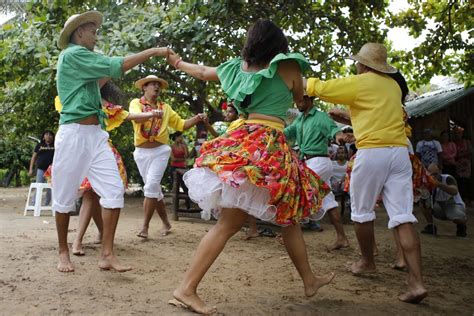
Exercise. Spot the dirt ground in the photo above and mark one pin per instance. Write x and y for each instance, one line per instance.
(249, 278)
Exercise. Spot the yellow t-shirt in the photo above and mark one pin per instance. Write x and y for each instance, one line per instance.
(374, 101)
(155, 130)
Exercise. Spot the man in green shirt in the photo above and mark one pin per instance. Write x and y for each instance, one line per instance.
(81, 144)
(312, 129)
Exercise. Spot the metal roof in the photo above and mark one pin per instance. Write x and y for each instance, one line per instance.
(436, 100)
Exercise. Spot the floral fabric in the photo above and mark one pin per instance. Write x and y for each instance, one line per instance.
(259, 154)
(115, 115)
(423, 183)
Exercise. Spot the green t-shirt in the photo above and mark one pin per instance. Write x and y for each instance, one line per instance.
(78, 72)
(312, 132)
(268, 93)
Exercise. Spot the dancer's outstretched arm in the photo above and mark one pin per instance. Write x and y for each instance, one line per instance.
(145, 116)
(197, 71)
(133, 60)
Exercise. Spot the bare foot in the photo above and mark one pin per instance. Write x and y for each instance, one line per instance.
(339, 244)
(193, 302)
(65, 264)
(312, 288)
(165, 229)
(77, 248)
(414, 297)
(249, 235)
(376, 252)
(399, 266)
(143, 234)
(360, 268)
(98, 240)
(112, 263)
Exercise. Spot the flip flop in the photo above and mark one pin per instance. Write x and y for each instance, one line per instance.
(177, 303)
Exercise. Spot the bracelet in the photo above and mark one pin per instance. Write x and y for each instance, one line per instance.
(176, 64)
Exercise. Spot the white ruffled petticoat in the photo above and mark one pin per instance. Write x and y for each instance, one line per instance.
(211, 194)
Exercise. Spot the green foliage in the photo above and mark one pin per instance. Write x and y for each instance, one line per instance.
(443, 52)
(207, 32)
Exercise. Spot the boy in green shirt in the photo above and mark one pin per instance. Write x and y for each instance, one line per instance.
(81, 144)
(312, 129)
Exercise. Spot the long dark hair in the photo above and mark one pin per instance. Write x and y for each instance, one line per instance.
(402, 83)
(43, 142)
(264, 41)
(112, 93)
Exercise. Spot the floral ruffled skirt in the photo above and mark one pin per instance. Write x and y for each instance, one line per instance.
(252, 168)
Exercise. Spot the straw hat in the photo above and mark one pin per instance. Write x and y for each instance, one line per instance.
(151, 78)
(374, 55)
(74, 22)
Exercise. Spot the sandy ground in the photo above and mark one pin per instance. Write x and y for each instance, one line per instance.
(249, 278)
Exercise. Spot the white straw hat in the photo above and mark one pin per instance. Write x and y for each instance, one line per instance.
(374, 55)
(74, 22)
(151, 78)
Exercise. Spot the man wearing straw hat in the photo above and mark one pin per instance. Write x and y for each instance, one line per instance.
(152, 152)
(382, 165)
(81, 144)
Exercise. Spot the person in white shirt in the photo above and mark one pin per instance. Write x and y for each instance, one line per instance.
(339, 167)
(429, 149)
(447, 203)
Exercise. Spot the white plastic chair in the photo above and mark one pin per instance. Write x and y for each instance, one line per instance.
(36, 207)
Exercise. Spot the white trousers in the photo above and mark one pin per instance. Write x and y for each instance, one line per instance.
(152, 163)
(386, 171)
(323, 167)
(83, 151)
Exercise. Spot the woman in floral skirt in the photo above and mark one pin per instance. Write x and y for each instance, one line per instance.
(251, 169)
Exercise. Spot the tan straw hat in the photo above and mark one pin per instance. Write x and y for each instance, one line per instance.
(74, 22)
(374, 55)
(151, 78)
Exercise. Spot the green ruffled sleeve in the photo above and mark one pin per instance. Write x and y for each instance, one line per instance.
(237, 84)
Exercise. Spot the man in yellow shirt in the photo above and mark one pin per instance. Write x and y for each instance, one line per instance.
(382, 165)
(151, 139)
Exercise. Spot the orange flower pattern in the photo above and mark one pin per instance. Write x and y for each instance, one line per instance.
(260, 155)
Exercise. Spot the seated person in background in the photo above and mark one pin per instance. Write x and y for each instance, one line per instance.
(446, 203)
(339, 167)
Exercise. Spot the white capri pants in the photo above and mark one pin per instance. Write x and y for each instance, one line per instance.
(323, 167)
(386, 171)
(152, 163)
(83, 151)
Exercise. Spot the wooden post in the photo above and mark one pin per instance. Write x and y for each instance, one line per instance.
(175, 192)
